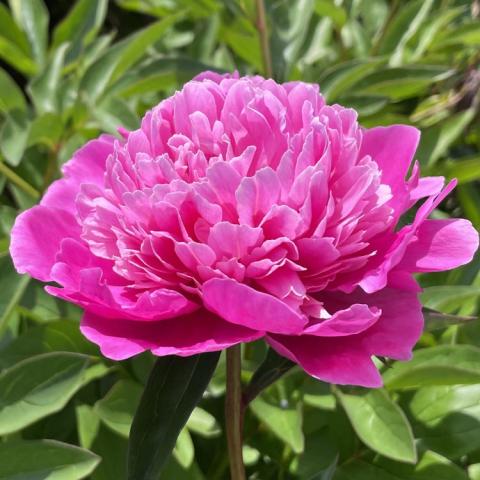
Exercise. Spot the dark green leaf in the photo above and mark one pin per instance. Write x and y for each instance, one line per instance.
(272, 368)
(174, 388)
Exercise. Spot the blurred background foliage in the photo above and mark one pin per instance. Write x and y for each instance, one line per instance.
(69, 71)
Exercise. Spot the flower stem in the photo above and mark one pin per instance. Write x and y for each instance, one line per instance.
(234, 414)
(264, 41)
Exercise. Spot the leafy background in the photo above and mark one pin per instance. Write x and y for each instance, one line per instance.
(70, 71)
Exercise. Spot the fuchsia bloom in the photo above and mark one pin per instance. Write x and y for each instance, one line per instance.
(244, 209)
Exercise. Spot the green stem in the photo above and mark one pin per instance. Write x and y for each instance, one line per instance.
(234, 414)
(18, 181)
(264, 41)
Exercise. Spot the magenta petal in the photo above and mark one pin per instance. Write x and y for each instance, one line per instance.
(242, 305)
(185, 335)
(440, 245)
(351, 321)
(86, 166)
(342, 361)
(393, 149)
(399, 327)
(36, 238)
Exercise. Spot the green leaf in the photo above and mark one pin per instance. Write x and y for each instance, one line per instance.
(474, 471)
(328, 8)
(466, 34)
(37, 387)
(402, 82)
(16, 58)
(448, 298)
(203, 423)
(404, 25)
(341, 77)
(80, 26)
(440, 365)
(420, 11)
(12, 287)
(436, 140)
(113, 450)
(285, 423)
(119, 58)
(88, 425)
(32, 17)
(46, 130)
(10, 31)
(46, 460)
(380, 424)
(174, 388)
(11, 96)
(14, 136)
(447, 419)
(437, 320)
(430, 467)
(44, 89)
(117, 408)
(62, 335)
(464, 169)
(184, 451)
(273, 367)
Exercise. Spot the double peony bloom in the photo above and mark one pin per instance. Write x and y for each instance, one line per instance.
(244, 209)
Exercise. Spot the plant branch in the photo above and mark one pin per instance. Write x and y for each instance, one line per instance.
(234, 413)
(18, 181)
(264, 40)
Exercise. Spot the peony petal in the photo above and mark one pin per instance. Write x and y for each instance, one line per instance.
(351, 321)
(394, 335)
(242, 305)
(440, 245)
(36, 238)
(86, 166)
(393, 149)
(185, 335)
(341, 361)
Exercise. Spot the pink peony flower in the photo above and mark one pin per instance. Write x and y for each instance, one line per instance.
(244, 209)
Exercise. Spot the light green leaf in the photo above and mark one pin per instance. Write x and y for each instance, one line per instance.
(380, 424)
(14, 136)
(80, 26)
(10, 31)
(447, 419)
(119, 58)
(32, 17)
(285, 423)
(464, 169)
(184, 451)
(420, 13)
(16, 58)
(45, 460)
(430, 467)
(449, 298)
(11, 96)
(62, 335)
(203, 423)
(44, 88)
(440, 365)
(37, 387)
(436, 140)
(340, 78)
(402, 82)
(88, 425)
(117, 408)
